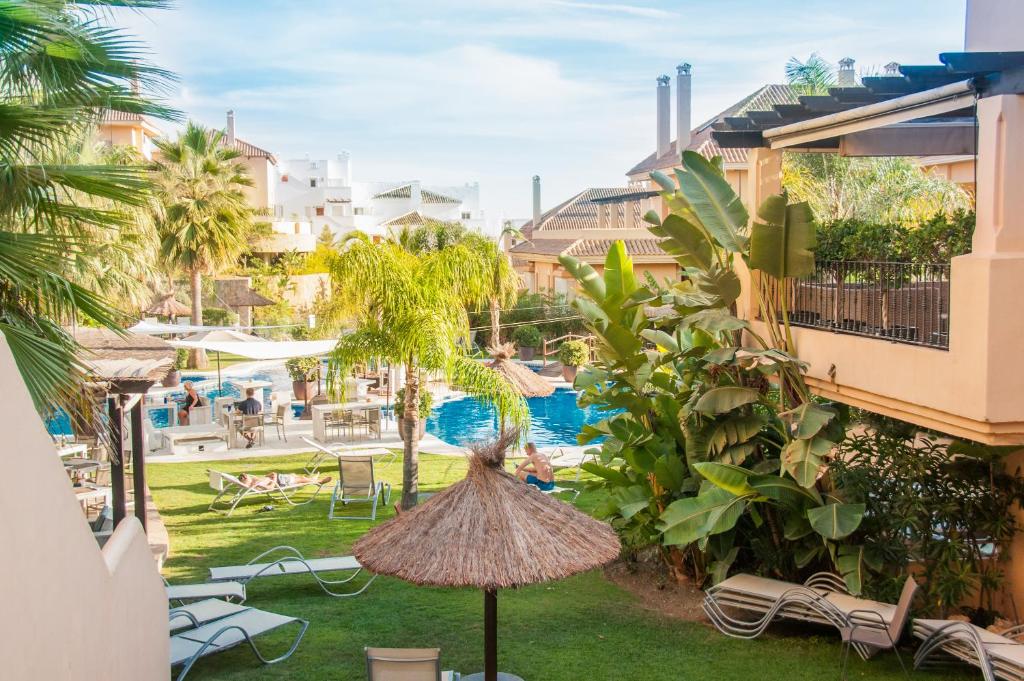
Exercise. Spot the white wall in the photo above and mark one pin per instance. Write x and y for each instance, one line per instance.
(71, 611)
(994, 26)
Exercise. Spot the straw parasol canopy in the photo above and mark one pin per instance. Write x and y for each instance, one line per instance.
(526, 382)
(488, 531)
(167, 306)
(115, 356)
(243, 297)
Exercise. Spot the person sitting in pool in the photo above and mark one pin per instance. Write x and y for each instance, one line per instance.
(192, 400)
(536, 469)
(272, 481)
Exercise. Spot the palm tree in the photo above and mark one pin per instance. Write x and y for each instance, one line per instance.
(61, 66)
(812, 77)
(410, 311)
(503, 286)
(204, 220)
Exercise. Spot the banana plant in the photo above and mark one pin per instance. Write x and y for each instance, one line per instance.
(702, 440)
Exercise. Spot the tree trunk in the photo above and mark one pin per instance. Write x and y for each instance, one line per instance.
(411, 424)
(197, 358)
(495, 325)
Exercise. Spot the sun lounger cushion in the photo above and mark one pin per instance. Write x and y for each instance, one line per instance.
(204, 611)
(254, 622)
(190, 592)
(290, 567)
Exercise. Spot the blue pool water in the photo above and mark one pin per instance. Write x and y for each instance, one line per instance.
(554, 420)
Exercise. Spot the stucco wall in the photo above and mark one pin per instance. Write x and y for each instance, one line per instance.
(994, 26)
(71, 611)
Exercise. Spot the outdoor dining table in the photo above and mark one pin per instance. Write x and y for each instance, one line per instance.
(75, 449)
(322, 411)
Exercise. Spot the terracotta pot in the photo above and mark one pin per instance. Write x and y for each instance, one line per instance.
(526, 354)
(172, 379)
(401, 428)
(569, 373)
(303, 390)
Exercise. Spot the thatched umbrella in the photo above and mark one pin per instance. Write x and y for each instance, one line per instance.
(167, 306)
(489, 531)
(527, 382)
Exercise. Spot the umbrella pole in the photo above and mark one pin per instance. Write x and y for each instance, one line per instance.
(218, 371)
(490, 635)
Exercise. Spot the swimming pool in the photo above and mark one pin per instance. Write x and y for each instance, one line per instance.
(554, 420)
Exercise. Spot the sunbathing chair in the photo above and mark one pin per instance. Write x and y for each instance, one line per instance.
(200, 613)
(225, 631)
(822, 599)
(183, 593)
(406, 664)
(322, 453)
(357, 482)
(225, 484)
(996, 655)
(294, 563)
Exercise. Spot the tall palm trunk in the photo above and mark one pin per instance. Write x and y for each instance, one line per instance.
(197, 357)
(495, 323)
(411, 425)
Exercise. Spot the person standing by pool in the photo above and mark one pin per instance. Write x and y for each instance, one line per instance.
(192, 400)
(536, 469)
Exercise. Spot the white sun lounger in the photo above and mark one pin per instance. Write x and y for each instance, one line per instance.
(225, 484)
(322, 453)
(226, 632)
(294, 563)
(181, 593)
(200, 613)
(996, 655)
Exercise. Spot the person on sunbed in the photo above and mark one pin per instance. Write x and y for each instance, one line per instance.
(536, 469)
(272, 481)
(192, 401)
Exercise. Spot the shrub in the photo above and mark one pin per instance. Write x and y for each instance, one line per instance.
(303, 369)
(945, 508)
(218, 316)
(574, 353)
(527, 336)
(180, 358)
(426, 403)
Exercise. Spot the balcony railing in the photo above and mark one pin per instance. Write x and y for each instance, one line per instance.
(895, 301)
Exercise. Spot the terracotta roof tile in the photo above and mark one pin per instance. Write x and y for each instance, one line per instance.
(252, 151)
(402, 192)
(587, 248)
(762, 99)
(579, 212)
(433, 197)
(412, 219)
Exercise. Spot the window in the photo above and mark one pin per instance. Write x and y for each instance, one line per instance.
(312, 182)
(360, 210)
(466, 215)
(320, 211)
(284, 178)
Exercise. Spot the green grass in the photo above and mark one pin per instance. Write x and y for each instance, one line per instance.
(580, 628)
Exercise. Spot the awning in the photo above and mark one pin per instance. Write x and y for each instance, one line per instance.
(933, 102)
(161, 329)
(264, 350)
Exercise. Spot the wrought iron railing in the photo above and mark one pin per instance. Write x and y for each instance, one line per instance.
(896, 301)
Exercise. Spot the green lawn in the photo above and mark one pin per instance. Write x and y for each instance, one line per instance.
(581, 628)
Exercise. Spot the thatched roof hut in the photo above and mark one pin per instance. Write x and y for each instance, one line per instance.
(237, 296)
(167, 306)
(526, 382)
(488, 531)
(112, 356)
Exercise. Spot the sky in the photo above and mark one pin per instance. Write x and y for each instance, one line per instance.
(456, 91)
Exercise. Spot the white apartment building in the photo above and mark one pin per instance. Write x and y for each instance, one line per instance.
(323, 193)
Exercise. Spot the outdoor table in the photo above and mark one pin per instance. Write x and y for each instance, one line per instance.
(178, 436)
(72, 450)
(321, 411)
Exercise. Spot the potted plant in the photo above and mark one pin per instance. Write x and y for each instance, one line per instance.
(426, 406)
(527, 337)
(304, 372)
(173, 377)
(573, 354)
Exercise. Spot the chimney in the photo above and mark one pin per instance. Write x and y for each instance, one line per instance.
(683, 95)
(536, 201)
(846, 77)
(230, 132)
(664, 112)
(892, 69)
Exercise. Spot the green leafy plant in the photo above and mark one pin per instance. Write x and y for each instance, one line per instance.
(426, 403)
(526, 336)
(705, 458)
(217, 316)
(303, 369)
(574, 353)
